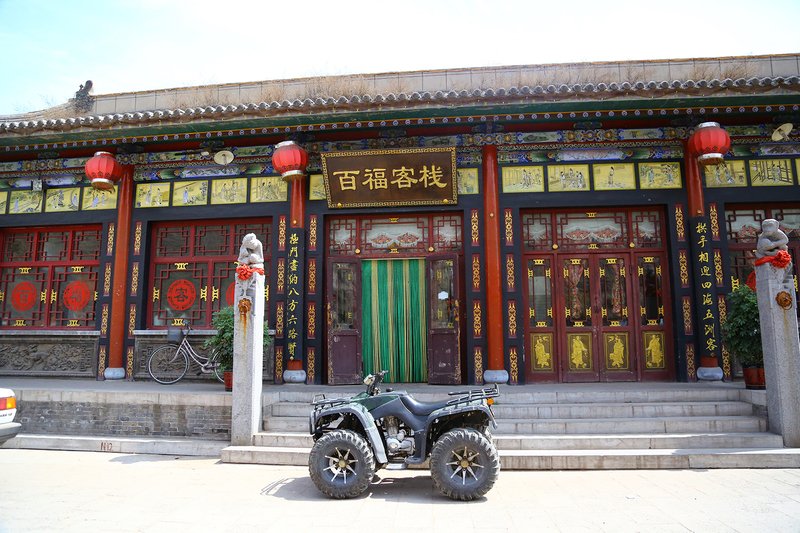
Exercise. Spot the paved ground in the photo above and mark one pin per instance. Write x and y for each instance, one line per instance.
(87, 492)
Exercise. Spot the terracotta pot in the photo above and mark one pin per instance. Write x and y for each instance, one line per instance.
(754, 378)
(708, 362)
(227, 378)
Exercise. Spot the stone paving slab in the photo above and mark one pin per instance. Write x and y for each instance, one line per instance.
(129, 493)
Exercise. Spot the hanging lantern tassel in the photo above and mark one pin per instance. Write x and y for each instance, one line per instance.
(290, 160)
(103, 171)
(709, 143)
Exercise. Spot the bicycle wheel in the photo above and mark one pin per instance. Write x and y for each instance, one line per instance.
(217, 369)
(167, 364)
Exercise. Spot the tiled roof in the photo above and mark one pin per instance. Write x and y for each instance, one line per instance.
(686, 88)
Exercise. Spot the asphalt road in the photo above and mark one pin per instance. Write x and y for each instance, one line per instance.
(104, 492)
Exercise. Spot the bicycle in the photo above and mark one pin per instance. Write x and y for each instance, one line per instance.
(168, 363)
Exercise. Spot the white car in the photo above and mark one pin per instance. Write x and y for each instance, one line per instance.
(8, 410)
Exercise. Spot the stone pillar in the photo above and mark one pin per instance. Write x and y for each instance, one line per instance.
(777, 307)
(248, 342)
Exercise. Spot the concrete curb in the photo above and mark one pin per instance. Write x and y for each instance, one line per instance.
(114, 444)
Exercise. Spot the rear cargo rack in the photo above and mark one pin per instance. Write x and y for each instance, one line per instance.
(474, 394)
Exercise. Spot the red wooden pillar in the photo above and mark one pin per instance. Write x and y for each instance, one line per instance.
(297, 208)
(294, 372)
(118, 328)
(494, 290)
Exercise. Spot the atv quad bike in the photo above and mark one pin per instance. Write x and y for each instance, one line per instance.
(354, 437)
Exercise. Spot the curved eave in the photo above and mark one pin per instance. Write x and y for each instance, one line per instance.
(545, 103)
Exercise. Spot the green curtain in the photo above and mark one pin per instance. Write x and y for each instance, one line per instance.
(394, 323)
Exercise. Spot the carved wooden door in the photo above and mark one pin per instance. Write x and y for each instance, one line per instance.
(344, 322)
(444, 320)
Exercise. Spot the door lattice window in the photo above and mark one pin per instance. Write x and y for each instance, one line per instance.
(193, 269)
(48, 278)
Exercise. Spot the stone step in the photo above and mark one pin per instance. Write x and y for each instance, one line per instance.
(609, 459)
(578, 442)
(580, 410)
(633, 441)
(509, 395)
(612, 426)
(119, 444)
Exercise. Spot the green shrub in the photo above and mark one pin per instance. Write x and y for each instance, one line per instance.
(222, 342)
(741, 331)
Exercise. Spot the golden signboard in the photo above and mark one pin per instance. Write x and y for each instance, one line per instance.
(378, 178)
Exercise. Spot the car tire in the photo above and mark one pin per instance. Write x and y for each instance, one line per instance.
(464, 464)
(341, 464)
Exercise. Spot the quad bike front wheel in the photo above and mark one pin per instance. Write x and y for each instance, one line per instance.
(341, 464)
(464, 464)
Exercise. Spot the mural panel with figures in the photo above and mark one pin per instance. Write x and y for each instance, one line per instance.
(94, 199)
(3, 202)
(727, 174)
(229, 191)
(542, 351)
(152, 195)
(59, 200)
(567, 178)
(187, 193)
(269, 189)
(660, 176)
(614, 177)
(25, 202)
(771, 172)
(316, 187)
(467, 181)
(616, 351)
(523, 179)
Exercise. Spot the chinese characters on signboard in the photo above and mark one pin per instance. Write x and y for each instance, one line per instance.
(374, 178)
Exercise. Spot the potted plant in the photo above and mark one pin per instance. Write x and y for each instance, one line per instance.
(222, 342)
(741, 333)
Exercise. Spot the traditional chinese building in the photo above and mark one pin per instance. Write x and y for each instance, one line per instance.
(526, 224)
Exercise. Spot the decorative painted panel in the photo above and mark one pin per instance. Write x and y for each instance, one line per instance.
(513, 364)
(512, 319)
(542, 359)
(137, 239)
(579, 346)
(616, 351)
(680, 228)
(523, 179)
(476, 273)
(654, 352)
(660, 175)
(312, 233)
(509, 222)
(510, 273)
(478, 358)
(686, 305)
(474, 227)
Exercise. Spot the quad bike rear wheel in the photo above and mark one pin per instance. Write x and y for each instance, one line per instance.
(464, 464)
(341, 464)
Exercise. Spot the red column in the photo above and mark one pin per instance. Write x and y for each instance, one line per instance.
(694, 189)
(118, 328)
(297, 208)
(494, 290)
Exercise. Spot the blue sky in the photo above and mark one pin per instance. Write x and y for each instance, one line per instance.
(49, 47)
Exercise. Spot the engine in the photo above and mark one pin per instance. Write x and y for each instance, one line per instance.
(399, 439)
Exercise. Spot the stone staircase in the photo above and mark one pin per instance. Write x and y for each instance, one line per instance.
(583, 427)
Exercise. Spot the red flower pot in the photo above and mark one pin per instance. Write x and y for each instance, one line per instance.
(754, 378)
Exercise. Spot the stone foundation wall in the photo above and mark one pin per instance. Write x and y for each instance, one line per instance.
(142, 415)
(49, 354)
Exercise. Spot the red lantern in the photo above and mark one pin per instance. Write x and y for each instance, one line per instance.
(290, 160)
(709, 143)
(103, 171)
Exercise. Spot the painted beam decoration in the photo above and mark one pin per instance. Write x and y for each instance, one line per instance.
(381, 178)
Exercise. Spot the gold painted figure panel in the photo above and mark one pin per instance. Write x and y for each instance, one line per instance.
(616, 351)
(580, 351)
(654, 350)
(523, 179)
(542, 351)
(660, 176)
(614, 177)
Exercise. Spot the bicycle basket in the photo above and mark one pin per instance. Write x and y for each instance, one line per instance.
(175, 335)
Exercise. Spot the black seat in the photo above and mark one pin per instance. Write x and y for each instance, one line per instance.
(421, 408)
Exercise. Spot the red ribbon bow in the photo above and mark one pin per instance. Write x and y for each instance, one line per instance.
(245, 272)
(779, 260)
